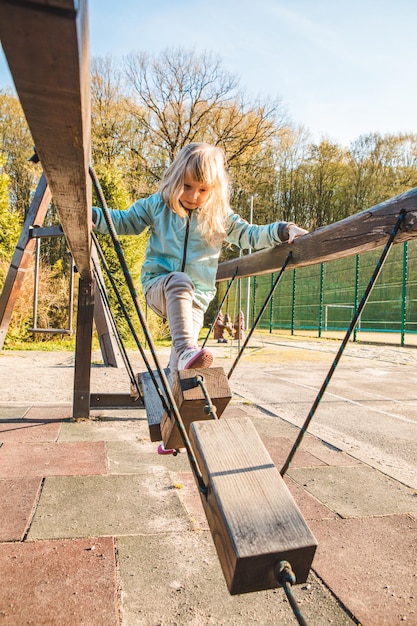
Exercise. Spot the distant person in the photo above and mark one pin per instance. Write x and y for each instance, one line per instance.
(189, 218)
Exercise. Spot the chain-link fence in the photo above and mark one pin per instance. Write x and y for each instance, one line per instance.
(324, 297)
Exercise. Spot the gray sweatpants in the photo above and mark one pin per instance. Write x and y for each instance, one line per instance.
(171, 297)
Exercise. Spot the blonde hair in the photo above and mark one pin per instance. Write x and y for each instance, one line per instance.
(206, 164)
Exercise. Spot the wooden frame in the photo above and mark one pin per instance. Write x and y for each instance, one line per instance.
(22, 256)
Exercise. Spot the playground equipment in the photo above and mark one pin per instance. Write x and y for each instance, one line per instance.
(256, 526)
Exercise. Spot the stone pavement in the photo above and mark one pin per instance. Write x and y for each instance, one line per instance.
(97, 529)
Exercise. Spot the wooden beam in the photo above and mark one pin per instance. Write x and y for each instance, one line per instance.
(47, 49)
(114, 401)
(253, 518)
(357, 233)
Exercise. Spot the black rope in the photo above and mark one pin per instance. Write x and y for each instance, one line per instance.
(129, 368)
(261, 312)
(352, 325)
(166, 387)
(226, 293)
(209, 408)
(286, 578)
(129, 321)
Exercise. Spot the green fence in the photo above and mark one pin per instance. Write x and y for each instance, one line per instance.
(324, 297)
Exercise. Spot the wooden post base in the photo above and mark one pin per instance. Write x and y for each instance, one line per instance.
(254, 520)
(190, 400)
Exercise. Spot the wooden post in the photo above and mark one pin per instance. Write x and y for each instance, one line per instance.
(105, 324)
(82, 374)
(22, 256)
(190, 400)
(254, 520)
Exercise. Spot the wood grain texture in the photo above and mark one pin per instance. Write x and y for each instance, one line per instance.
(83, 343)
(153, 404)
(254, 520)
(190, 400)
(357, 233)
(47, 49)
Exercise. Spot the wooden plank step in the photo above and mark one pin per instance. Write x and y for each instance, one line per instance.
(254, 520)
(153, 404)
(191, 402)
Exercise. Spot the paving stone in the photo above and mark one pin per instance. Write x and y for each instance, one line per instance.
(273, 426)
(309, 506)
(356, 491)
(29, 429)
(113, 427)
(108, 505)
(184, 571)
(136, 457)
(370, 564)
(234, 411)
(49, 412)
(18, 498)
(12, 412)
(20, 460)
(189, 495)
(279, 448)
(59, 582)
(327, 453)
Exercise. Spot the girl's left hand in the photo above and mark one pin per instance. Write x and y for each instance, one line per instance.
(295, 231)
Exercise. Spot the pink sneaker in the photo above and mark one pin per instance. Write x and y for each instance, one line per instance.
(195, 358)
(163, 450)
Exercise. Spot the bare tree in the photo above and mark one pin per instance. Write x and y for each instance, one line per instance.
(112, 125)
(189, 97)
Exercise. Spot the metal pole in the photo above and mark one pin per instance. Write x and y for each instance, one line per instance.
(248, 279)
(404, 292)
(357, 262)
(239, 308)
(321, 298)
(271, 308)
(36, 284)
(294, 283)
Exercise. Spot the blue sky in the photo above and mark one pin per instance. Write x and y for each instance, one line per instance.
(341, 68)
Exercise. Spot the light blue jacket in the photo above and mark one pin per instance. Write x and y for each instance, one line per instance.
(175, 245)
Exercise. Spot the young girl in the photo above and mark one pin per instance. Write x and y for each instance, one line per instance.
(189, 218)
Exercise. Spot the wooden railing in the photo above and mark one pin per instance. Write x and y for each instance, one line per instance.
(355, 234)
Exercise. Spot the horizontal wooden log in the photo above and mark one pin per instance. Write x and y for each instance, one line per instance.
(47, 49)
(114, 401)
(355, 234)
(254, 520)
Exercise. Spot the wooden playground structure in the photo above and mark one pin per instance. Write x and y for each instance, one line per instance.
(47, 48)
